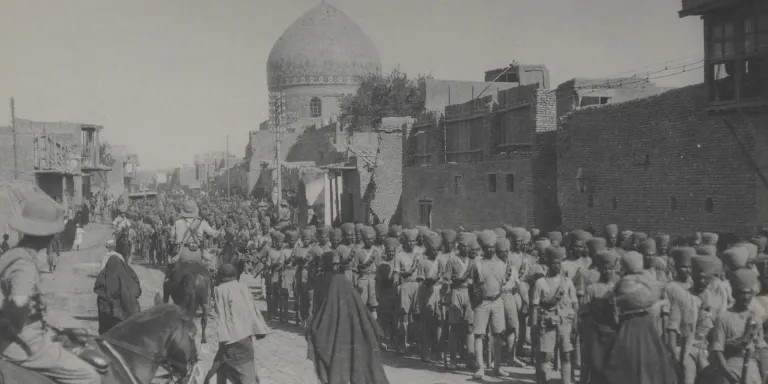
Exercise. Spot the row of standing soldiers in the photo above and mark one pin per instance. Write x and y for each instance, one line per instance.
(485, 296)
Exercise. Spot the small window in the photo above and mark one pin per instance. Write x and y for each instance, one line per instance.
(673, 203)
(615, 203)
(492, 183)
(456, 183)
(425, 213)
(591, 201)
(709, 206)
(510, 182)
(316, 107)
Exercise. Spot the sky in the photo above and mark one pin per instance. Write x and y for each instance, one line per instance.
(173, 78)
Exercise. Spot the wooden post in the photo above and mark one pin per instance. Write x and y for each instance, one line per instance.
(15, 146)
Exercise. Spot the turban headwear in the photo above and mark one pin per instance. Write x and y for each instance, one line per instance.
(359, 227)
(368, 232)
(580, 237)
(552, 254)
(307, 232)
(751, 248)
(395, 231)
(277, 237)
(465, 238)
(606, 257)
(706, 265)
(709, 238)
(527, 237)
(500, 232)
(516, 233)
(335, 234)
(596, 244)
(381, 229)
(411, 234)
(647, 247)
(611, 230)
(535, 232)
(422, 230)
(291, 236)
(663, 239)
(706, 250)
(540, 246)
(742, 279)
(683, 256)
(487, 239)
(555, 237)
(636, 292)
(502, 244)
(448, 235)
(348, 229)
(432, 241)
(735, 258)
(640, 237)
(632, 262)
(324, 231)
(391, 243)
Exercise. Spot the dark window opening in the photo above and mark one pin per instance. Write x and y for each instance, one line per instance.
(425, 213)
(673, 203)
(316, 107)
(615, 203)
(456, 184)
(590, 201)
(709, 206)
(722, 82)
(492, 183)
(754, 77)
(510, 182)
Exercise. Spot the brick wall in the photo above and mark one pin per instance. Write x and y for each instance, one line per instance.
(25, 155)
(528, 155)
(386, 182)
(652, 153)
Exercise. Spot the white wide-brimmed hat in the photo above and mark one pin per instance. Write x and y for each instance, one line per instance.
(41, 216)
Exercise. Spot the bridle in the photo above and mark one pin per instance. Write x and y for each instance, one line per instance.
(177, 372)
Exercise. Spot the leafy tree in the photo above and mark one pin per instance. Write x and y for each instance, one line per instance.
(105, 152)
(393, 94)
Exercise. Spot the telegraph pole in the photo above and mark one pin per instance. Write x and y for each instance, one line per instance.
(277, 115)
(227, 165)
(15, 146)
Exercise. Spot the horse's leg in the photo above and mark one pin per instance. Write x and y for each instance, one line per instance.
(206, 303)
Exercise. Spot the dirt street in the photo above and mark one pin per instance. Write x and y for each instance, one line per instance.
(281, 355)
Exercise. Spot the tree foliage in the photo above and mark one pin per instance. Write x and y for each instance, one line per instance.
(393, 94)
(105, 152)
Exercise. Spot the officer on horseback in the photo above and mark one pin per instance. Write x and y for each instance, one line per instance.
(25, 340)
(187, 236)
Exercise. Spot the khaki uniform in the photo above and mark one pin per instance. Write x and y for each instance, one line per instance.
(33, 347)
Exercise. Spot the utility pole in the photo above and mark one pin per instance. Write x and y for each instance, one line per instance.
(15, 146)
(278, 117)
(226, 164)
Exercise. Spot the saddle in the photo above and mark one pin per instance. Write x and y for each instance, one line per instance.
(84, 345)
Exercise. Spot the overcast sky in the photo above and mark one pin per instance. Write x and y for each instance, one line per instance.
(172, 78)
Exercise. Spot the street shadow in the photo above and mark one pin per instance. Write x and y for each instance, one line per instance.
(391, 359)
(86, 318)
(289, 326)
(148, 265)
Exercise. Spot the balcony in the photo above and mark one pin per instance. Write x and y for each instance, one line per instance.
(699, 7)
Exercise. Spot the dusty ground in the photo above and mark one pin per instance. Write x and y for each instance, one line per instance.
(281, 355)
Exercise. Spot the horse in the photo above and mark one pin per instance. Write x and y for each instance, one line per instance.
(190, 287)
(135, 349)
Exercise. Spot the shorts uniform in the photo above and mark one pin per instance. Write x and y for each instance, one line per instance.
(288, 280)
(406, 292)
(429, 301)
(489, 313)
(555, 323)
(366, 286)
(460, 309)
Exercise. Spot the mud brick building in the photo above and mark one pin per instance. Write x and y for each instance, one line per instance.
(484, 162)
(690, 159)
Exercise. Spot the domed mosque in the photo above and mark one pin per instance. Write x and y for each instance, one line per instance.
(317, 59)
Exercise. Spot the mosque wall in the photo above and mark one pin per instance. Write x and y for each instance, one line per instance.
(500, 167)
(662, 163)
(299, 98)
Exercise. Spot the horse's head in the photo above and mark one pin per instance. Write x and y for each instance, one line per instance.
(163, 336)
